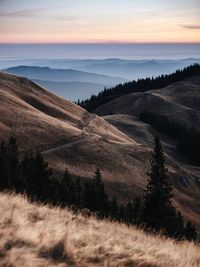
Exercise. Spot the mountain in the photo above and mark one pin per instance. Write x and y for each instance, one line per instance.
(133, 70)
(68, 135)
(62, 75)
(71, 90)
(57, 237)
(68, 83)
(129, 69)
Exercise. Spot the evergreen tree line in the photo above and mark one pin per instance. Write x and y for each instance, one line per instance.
(141, 85)
(29, 173)
(188, 138)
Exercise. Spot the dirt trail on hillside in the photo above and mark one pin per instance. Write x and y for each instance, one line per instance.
(74, 140)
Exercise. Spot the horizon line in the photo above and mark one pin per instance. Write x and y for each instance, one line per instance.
(92, 43)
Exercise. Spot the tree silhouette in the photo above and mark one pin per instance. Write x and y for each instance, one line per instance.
(95, 196)
(159, 213)
(114, 209)
(190, 231)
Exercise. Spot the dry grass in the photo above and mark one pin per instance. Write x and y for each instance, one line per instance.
(33, 235)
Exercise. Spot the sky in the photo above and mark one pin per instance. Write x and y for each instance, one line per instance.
(102, 21)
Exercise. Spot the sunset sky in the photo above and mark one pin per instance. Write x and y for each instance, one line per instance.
(105, 21)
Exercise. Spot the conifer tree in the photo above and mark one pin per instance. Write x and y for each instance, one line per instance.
(114, 209)
(129, 213)
(10, 174)
(159, 213)
(68, 192)
(14, 165)
(4, 168)
(137, 211)
(39, 177)
(79, 193)
(190, 232)
(95, 196)
(121, 212)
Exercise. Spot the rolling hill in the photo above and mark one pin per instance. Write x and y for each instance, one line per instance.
(36, 235)
(179, 101)
(68, 135)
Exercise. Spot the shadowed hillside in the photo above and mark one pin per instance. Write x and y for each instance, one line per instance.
(179, 101)
(139, 86)
(33, 235)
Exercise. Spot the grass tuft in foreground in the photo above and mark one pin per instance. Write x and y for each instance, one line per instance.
(36, 235)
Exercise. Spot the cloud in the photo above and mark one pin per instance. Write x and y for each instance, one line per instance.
(23, 13)
(193, 27)
(45, 12)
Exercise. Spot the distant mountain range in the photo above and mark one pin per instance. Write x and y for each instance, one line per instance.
(71, 90)
(128, 69)
(69, 83)
(80, 78)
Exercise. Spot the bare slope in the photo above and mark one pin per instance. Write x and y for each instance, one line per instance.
(179, 101)
(70, 136)
(30, 111)
(33, 235)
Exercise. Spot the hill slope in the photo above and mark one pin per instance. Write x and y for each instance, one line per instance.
(179, 101)
(69, 136)
(33, 235)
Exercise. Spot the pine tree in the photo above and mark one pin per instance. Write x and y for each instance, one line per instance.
(159, 213)
(79, 193)
(129, 213)
(137, 211)
(14, 165)
(10, 172)
(68, 193)
(39, 177)
(4, 168)
(190, 232)
(114, 209)
(95, 196)
(121, 213)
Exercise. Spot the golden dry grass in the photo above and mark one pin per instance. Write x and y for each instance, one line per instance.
(33, 236)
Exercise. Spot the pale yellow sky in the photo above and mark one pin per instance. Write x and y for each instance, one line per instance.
(88, 21)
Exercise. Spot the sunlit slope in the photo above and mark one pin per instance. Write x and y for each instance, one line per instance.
(33, 235)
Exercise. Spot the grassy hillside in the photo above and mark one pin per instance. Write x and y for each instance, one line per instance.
(35, 235)
(69, 136)
(178, 101)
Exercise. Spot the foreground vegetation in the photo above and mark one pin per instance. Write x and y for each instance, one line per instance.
(141, 85)
(29, 173)
(38, 235)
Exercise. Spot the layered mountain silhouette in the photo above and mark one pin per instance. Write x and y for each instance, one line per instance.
(119, 144)
(69, 83)
(129, 69)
